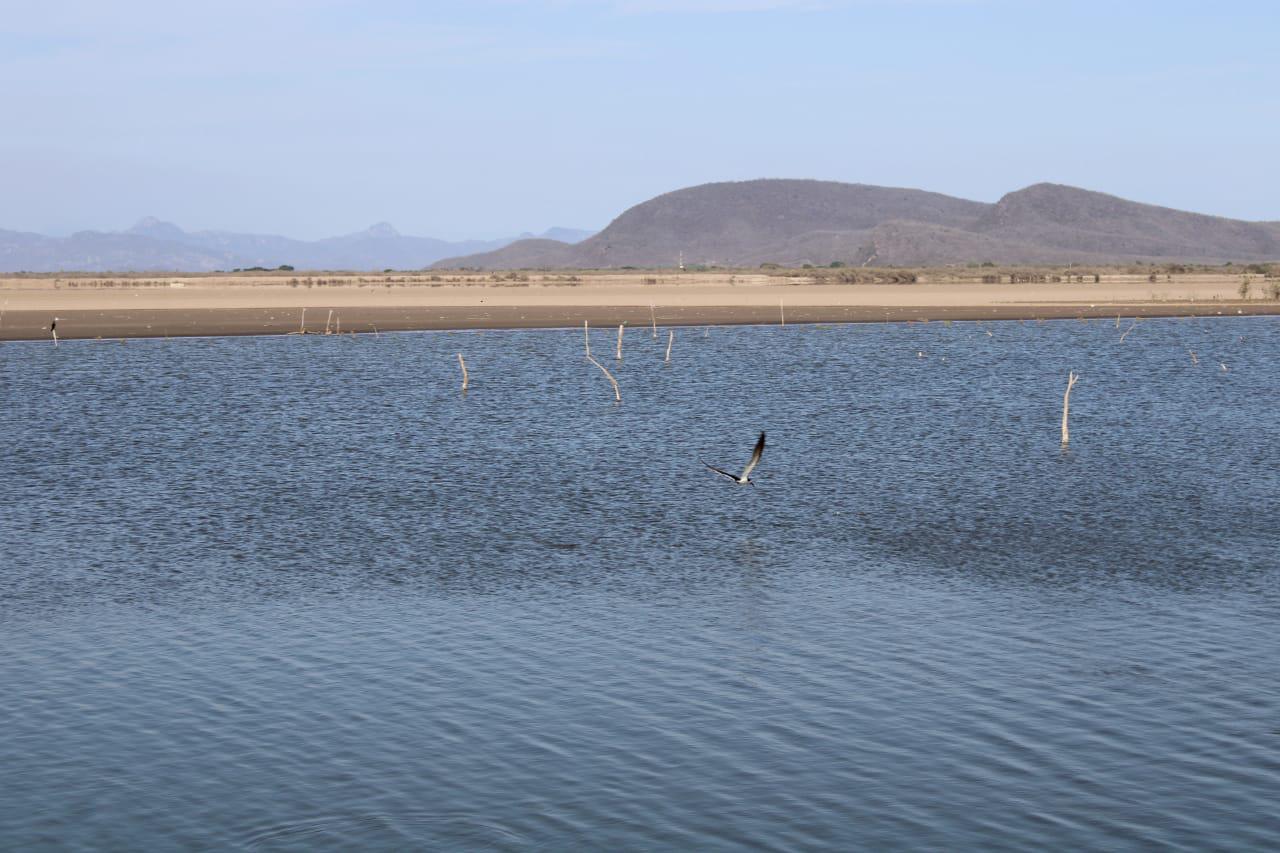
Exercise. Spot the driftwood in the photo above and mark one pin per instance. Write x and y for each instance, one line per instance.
(1066, 406)
(586, 334)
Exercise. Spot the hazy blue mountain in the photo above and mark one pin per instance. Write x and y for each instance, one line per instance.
(153, 245)
(560, 235)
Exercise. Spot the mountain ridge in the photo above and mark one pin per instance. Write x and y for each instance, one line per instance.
(152, 245)
(790, 222)
(795, 222)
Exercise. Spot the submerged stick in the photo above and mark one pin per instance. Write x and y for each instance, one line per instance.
(671, 337)
(463, 365)
(1128, 330)
(618, 354)
(1194, 360)
(617, 395)
(586, 337)
(1066, 406)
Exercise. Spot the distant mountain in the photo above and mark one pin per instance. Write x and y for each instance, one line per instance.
(561, 235)
(793, 222)
(158, 229)
(97, 251)
(153, 245)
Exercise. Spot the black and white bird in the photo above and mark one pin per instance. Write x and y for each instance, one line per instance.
(743, 479)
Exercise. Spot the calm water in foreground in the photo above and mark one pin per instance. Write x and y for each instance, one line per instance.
(298, 593)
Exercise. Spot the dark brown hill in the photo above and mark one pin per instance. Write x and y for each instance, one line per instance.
(794, 222)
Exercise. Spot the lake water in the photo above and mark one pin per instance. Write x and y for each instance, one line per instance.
(300, 593)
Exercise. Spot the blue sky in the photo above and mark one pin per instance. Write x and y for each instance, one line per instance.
(490, 117)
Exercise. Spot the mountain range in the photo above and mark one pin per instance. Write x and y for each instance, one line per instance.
(796, 222)
(153, 245)
(735, 224)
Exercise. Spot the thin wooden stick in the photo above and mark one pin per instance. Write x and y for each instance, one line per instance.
(1128, 330)
(339, 330)
(782, 314)
(671, 337)
(617, 395)
(327, 321)
(53, 329)
(618, 354)
(302, 324)
(1117, 321)
(586, 337)
(1066, 406)
(653, 318)
(463, 365)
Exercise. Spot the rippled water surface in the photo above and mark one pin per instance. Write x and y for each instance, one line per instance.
(300, 593)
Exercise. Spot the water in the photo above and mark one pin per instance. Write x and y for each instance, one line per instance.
(299, 593)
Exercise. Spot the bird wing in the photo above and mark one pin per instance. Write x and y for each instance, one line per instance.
(718, 470)
(755, 457)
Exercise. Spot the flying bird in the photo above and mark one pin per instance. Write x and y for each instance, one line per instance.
(744, 479)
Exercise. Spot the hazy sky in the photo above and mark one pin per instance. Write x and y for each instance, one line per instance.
(489, 117)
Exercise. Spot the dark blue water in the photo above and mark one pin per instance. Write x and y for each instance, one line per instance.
(299, 593)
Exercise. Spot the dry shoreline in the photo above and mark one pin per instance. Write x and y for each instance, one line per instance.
(172, 306)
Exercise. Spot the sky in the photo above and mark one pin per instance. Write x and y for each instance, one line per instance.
(485, 118)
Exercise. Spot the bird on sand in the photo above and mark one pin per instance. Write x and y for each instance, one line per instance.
(743, 479)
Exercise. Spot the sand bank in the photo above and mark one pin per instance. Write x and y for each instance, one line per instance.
(91, 307)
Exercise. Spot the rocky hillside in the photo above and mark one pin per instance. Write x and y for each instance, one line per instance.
(793, 222)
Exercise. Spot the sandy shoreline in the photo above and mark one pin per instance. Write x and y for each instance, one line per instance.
(174, 306)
